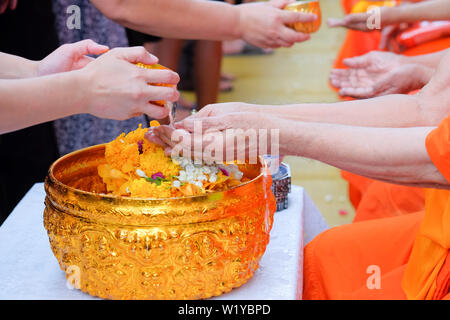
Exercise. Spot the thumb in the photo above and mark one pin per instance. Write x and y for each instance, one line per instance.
(357, 62)
(336, 22)
(85, 47)
(135, 55)
(293, 17)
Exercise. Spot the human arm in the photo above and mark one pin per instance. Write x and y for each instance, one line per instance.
(395, 155)
(14, 67)
(432, 10)
(110, 87)
(67, 57)
(262, 24)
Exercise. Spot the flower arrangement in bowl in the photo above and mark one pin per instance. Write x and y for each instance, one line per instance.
(127, 222)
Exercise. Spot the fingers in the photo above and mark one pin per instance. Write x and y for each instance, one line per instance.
(154, 111)
(386, 35)
(335, 22)
(357, 62)
(160, 76)
(339, 78)
(289, 37)
(153, 138)
(159, 93)
(12, 4)
(82, 62)
(356, 21)
(190, 124)
(134, 55)
(289, 17)
(88, 46)
(164, 135)
(360, 93)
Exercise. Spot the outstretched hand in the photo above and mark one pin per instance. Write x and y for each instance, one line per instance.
(264, 24)
(364, 21)
(115, 88)
(378, 73)
(69, 57)
(220, 137)
(354, 21)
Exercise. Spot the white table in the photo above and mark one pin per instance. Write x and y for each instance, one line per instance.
(28, 269)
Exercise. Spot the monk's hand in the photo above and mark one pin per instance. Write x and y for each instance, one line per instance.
(401, 80)
(364, 71)
(264, 24)
(213, 137)
(354, 21)
(179, 142)
(365, 21)
(218, 109)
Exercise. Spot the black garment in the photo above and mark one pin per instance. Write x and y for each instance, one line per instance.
(26, 154)
(136, 38)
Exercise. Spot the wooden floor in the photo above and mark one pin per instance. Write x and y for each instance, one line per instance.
(298, 75)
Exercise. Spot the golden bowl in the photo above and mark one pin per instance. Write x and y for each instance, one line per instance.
(306, 7)
(177, 248)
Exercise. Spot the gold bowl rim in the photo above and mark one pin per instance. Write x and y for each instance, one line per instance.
(57, 182)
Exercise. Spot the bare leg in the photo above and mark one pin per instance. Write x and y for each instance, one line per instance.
(207, 65)
(168, 51)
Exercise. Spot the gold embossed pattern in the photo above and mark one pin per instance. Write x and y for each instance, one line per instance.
(306, 7)
(182, 248)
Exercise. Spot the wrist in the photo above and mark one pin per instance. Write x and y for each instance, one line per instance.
(390, 15)
(80, 91)
(239, 20)
(34, 69)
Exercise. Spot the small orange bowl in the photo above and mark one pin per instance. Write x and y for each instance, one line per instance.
(160, 103)
(306, 7)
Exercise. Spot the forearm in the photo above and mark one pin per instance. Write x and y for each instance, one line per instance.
(388, 154)
(27, 102)
(14, 67)
(386, 111)
(433, 10)
(186, 19)
(431, 60)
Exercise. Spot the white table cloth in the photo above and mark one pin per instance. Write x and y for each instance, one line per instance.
(28, 269)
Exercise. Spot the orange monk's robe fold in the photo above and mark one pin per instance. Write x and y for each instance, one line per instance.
(348, 5)
(428, 270)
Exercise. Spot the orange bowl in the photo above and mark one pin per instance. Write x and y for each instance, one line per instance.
(306, 7)
(160, 67)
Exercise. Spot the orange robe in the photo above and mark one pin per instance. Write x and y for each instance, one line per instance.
(387, 195)
(348, 5)
(411, 252)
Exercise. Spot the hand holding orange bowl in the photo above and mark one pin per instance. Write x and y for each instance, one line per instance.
(306, 7)
(158, 67)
